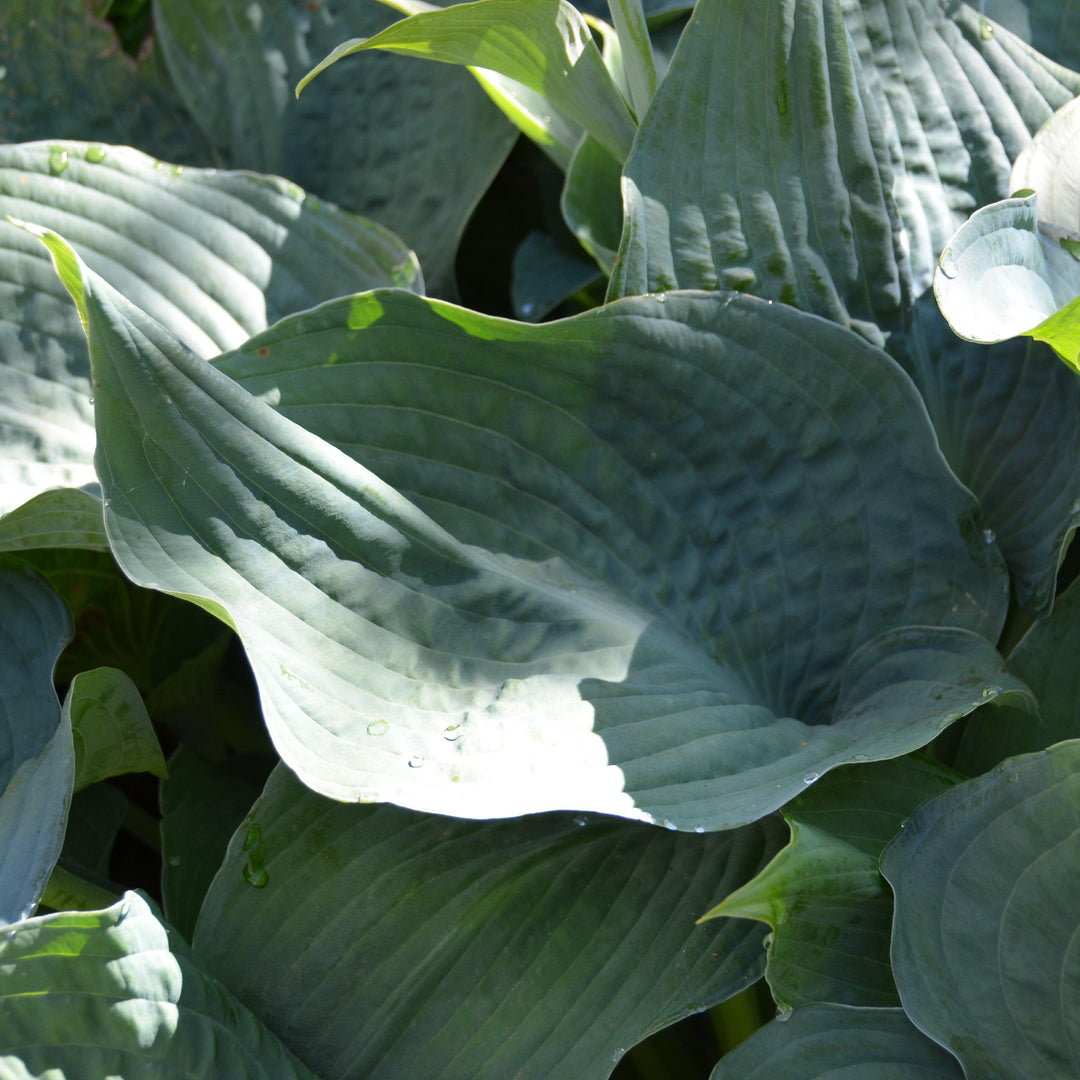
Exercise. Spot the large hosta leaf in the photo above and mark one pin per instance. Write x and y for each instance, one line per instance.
(700, 591)
(987, 883)
(413, 146)
(829, 1042)
(959, 99)
(214, 256)
(116, 993)
(781, 178)
(829, 909)
(37, 764)
(381, 943)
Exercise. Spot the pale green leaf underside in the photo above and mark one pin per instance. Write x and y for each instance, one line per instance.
(381, 943)
(58, 518)
(214, 256)
(760, 166)
(830, 1042)
(544, 44)
(640, 631)
(110, 727)
(1001, 277)
(115, 993)
(829, 908)
(1050, 166)
(987, 913)
(36, 760)
(413, 146)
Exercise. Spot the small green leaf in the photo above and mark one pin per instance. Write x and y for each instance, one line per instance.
(110, 727)
(987, 884)
(60, 518)
(828, 906)
(591, 201)
(544, 44)
(628, 17)
(146, 1005)
(545, 275)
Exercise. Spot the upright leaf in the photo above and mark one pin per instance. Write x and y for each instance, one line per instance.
(36, 758)
(544, 44)
(412, 146)
(116, 993)
(618, 653)
(382, 943)
(761, 166)
(987, 883)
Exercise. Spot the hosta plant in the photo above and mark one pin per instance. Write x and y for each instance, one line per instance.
(394, 688)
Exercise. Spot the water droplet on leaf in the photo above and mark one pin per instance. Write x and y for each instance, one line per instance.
(811, 778)
(989, 536)
(947, 264)
(783, 1014)
(174, 860)
(669, 824)
(699, 829)
(58, 160)
(453, 732)
(378, 727)
(255, 874)
(96, 154)
(986, 29)
(581, 821)
(416, 761)
(252, 838)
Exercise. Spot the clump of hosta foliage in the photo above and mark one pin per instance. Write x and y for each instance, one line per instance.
(393, 689)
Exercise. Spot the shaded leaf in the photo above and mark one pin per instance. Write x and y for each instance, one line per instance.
(822, 1041)
(544, 276)
(541, 946)
(146, 1006)
(987, 884)
(110, 727)
(413, 146)
(544, 44)
(36, 759)
(1046, 660)
(96, 815)
(828, 906)
(201, 805)
(611, 646)
(591, 202)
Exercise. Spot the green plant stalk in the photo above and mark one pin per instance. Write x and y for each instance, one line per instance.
(736, 1019)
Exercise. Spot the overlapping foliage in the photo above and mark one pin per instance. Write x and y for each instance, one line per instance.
(601, 666)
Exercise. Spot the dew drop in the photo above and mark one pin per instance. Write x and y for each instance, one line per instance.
(989, 536)
(378, 727)
(159, 165)
(125, 909)
(528, 309)
(993, 691)
(107, 503)
(783, 1014)
(947, 264)
(178, 170)
(547, 120)
(453, 732)
(699, 829)
(255, 874)
(811, 778)
(986, 29)
(253, 835)
(617, 1056)
(91, 401)
(174, 860)
(669, 824)
(96, 154)
(416, 761)
(10, 935)
(581, 821)
(58, 160)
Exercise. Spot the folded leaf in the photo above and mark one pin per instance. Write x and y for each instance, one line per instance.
(36, 759)
(828, 906)
(623, 652)
(111, 731)
(382, 943)
(825, 1041)
(544, 44)
(116, 993)
(987, 884)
